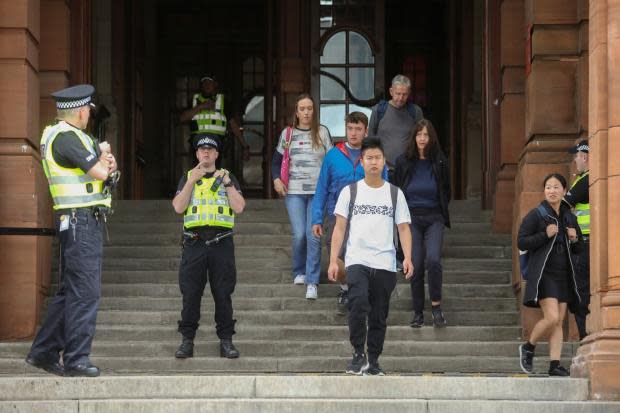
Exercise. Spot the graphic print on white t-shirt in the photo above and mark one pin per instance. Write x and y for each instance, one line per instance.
(371, 232)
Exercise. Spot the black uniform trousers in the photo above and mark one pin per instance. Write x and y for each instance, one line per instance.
(72, 313)
(214, 264)
(370, 290)
(583, 287)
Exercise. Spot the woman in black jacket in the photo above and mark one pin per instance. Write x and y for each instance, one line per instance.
(423, 175)
(550, 238)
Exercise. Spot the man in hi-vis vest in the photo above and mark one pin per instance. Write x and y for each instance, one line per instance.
(578, 197)
(76, 169)
(209, 199)
(207, 116)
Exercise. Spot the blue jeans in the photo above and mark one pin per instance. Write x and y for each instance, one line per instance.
(306, 247)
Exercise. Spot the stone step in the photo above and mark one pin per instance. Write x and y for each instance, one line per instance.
(410, 388)
(322, 364)
(274, 277)
(299, 303)
(261, 215)
(270, 250)
(127, 332)
(269, 348)
(303, 405)
(282, 262)
(293, 317)
(289, 290)
(284, 240)
(134, 227)
(121, 207)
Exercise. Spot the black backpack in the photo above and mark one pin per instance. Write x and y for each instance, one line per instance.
(524, 256)
(414, 111)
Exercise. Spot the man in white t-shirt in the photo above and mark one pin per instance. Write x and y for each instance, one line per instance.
(370, 258)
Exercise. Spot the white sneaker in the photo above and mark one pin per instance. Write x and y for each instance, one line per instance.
(312, 292)
(300, 279)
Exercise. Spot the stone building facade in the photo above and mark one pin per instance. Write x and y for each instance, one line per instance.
(517, 83)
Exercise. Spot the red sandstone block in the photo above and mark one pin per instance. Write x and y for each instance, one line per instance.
(598, 22)
(512, 33)
(550, 89)
(52, 81)
(551, 11)
(612, 152)
(598, 157)
(584, 29)
(21, 266)
(18, 44)
(19, 101)
(613, 80)
(512, 118)
(613, 232)
(597, 84)
(599, 251)
(55, 36)
(583, 96)
(20, 13)
(513, 80)
(555, 40)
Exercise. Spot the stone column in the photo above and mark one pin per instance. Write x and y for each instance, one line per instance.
(556, 98)
(25, 204)
(512, 109)
(598, 358)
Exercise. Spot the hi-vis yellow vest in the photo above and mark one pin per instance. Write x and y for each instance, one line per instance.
(71, 187)
(582, 211)
(207, 207)
(210, 121)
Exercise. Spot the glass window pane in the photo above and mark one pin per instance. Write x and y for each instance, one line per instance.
(334, 51)
(330, 90)
(254, 111)
(359, 49)
(332, 116)
(363, 109)
(361, 82)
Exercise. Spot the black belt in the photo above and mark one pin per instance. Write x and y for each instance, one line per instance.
(95, 210)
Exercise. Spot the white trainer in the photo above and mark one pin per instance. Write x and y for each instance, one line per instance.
(312, 292)
(300, 279)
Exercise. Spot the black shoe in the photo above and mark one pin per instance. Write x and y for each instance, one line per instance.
(47, 364)
(186, 349)
(343, 301)
(438, 319)
(526, 359)
(559, 371)
(83, 370)
(228, 349)
(374, 369)
(418, 320)
(358, 365)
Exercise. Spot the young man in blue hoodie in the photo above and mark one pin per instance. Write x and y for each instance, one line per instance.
(341, 167)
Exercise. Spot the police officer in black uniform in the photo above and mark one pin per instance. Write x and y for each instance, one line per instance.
(209, 198)
(77, 168)
(578, 197)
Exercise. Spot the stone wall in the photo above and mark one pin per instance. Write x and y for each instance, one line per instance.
(599, 356)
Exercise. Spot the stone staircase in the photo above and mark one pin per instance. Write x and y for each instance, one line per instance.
(278, 330)
(298, 394)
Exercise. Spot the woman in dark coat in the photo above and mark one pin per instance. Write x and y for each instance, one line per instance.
(423, 175)
(550, 238)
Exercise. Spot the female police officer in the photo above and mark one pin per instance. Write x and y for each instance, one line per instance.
(209, 200)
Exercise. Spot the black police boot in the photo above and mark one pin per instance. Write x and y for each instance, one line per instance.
(186, 349)
(228, 349)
